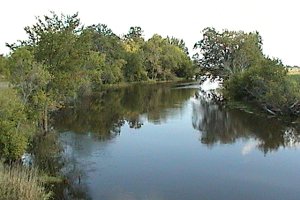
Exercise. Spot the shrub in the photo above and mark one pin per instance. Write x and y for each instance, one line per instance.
(266, 83)
(15, 129)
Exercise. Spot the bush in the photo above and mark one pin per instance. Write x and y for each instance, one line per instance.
(15, 129)
(20, 183)
(281, 95)
(266, 83)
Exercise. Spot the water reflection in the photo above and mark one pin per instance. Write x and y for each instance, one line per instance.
(103, 114)
(220, 125)
(163, 159)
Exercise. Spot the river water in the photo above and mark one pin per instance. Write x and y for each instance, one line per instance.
(165, 141)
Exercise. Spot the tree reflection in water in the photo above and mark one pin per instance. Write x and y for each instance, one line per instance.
(220, 125)
(102, 115)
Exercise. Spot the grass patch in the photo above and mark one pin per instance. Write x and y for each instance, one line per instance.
(21, 183)
(295, 77)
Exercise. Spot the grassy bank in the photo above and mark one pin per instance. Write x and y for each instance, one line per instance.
(295, 77)
(21, 183)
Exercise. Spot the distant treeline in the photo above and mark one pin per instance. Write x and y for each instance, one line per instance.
(95, 54)
(61, 58)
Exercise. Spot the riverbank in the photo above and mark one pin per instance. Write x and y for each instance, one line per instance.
(148, 82)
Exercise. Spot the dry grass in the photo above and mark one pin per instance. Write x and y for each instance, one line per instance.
(21, 183)
(294, 71)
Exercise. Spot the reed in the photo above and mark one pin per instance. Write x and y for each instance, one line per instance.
(21, 183)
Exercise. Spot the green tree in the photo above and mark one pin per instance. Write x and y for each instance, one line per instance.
(166, 58)
(134, 69)
(153, 51)
(111, 48)
(106, 42)
(176, 62)
(179, 43)
(15, 128)
(267, 84)
(228, 52)
(59, 44)
(135, 33)
(31, 80)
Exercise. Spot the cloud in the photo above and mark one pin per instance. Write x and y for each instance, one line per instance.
(248, 147)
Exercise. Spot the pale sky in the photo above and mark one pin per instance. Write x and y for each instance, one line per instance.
(276, 20)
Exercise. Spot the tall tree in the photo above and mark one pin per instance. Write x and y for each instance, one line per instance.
(228, 52)
(179, 43)
(134, 69)
(32, 80)
(60, 46)
(153, 53)
(111, 48)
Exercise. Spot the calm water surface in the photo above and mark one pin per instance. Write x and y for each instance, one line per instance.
(162, 142)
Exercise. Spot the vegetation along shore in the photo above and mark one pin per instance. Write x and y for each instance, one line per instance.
(63, 59)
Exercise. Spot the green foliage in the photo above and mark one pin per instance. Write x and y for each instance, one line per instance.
(281, 95)
(295, 77)
(31, 80)
(3, 67)
(15, 129)
(60, 58)
(248, 74)
(135, 33)
(134, 69)
(76, 56)
(266, 83)
(179, 43)
(27, 75)
(166, 58)
(20, 183)
(110, 48)
(59, 43)
(225, 53)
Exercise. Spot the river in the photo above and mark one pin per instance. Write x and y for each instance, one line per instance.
(163, 141)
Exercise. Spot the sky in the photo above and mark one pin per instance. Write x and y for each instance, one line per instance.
(276, 20)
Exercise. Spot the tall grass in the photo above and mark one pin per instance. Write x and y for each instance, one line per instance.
(295, 77)
(21, 183)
